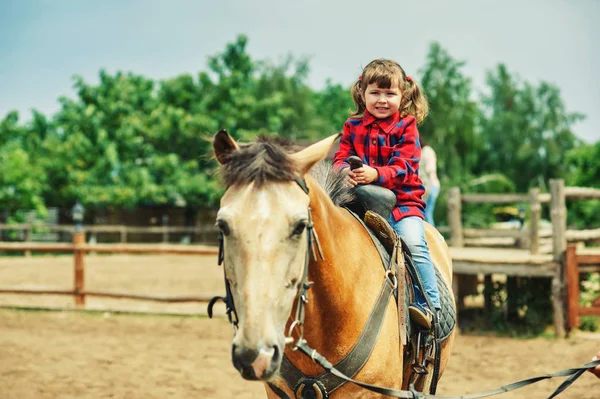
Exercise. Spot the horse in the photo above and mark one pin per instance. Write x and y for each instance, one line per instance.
(271, 208)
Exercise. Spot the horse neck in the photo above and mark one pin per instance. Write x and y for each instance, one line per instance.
(345, 283)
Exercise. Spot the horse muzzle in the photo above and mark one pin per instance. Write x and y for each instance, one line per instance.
(256, 364)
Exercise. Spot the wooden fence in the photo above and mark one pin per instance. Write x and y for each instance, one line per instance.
(547, 241)
(510, 262)
(79, 248)
(577, 262)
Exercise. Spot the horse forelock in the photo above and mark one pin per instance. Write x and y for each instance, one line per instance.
(267, 160)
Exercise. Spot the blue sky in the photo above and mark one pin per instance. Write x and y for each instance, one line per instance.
(43, 43)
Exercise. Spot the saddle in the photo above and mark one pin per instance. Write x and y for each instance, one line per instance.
(422, 347)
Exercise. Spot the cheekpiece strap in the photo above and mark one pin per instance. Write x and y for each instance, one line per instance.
(302, 184)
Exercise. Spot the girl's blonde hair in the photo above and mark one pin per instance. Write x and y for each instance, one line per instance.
(387, 73)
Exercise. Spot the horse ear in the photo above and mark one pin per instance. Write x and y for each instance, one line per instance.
(223, 146)
(312, 154)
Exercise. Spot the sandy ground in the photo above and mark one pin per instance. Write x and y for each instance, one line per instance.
(65, 354)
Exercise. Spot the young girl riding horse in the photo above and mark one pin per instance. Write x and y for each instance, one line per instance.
(383, 133)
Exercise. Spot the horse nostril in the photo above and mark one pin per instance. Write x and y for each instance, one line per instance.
(243, 358)
(276, 354)
(256, 364)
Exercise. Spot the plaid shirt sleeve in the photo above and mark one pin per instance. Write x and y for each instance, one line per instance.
(404, 159)
(340, 160)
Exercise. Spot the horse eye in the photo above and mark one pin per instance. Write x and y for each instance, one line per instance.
(300, 226)
(223, 226)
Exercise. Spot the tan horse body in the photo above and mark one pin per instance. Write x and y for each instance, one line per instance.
(264, 258)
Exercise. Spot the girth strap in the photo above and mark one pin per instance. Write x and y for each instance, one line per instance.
(353, 362)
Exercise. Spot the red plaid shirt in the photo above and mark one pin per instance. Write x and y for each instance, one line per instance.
(392, 147)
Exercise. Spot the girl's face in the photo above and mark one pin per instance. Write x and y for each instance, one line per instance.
(382, 103)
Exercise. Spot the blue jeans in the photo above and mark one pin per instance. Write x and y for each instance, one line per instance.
(432, 196)
(412, 231)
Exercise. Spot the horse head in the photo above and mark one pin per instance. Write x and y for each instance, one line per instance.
(263, 218)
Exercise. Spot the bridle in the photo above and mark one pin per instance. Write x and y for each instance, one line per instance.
(303, 286)
(312, 241)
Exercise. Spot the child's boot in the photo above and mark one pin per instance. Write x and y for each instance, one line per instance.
(420, 315)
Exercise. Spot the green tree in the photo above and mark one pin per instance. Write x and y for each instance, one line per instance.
(130, 140)
(452, 127)
(526, 130)
(249, 97)
(332, 104)
(117, 144)
(583, 169)
(22, 178)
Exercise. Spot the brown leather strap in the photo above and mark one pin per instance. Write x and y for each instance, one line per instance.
(398, 258)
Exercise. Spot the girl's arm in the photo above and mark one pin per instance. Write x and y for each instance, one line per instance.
(340, 160)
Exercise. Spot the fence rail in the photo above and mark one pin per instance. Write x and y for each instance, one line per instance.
(114, 295)
(532, 236)
(122, 230)
(79, 248)
(109, 248)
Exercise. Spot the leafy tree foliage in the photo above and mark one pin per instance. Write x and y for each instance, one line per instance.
(129, 140)
(583, 170)
(332, 106)
(452, 125)
(527, 130)
(22, 178)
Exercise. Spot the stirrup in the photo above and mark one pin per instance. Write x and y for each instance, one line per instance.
(423, 349)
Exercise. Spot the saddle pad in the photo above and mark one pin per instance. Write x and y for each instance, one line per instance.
(447, 314)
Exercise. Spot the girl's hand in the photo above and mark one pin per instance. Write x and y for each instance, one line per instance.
(350, 177)
(365, 174)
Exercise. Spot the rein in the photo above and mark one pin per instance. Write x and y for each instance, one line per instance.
(301, 344)
(572, 373)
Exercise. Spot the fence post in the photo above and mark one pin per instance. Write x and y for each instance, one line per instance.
(78, 214)
(572, 277)
(558, 215)
(123, 234)
(456, 237)
(165, 225)
(28, 233)
(534, 220)
(79, 268)
(455, 217)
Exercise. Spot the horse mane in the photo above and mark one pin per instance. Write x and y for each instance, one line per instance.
(333, 182)
(267, 160)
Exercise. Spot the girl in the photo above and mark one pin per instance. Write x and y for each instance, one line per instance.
(383, 133)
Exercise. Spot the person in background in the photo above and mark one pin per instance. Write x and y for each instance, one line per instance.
(428, 174)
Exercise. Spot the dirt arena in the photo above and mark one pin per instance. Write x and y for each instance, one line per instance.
(65, 354)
